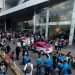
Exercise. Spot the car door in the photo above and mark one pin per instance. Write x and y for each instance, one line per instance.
(39, 47)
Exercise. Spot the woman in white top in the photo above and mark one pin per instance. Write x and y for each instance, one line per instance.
(25, 67)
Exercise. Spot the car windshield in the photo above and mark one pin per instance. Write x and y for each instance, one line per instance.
(39, 45)
(46, 45)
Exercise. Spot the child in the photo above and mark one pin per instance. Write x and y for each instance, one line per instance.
(2, 69)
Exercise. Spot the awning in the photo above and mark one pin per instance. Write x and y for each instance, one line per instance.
(26, 10)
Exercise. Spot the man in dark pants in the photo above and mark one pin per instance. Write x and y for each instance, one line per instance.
(39, 62)
(23, 51)
(48, 65)
(59, 45)
(8, 49)
(17, 52)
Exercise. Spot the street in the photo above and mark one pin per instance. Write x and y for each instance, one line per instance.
(33, 57)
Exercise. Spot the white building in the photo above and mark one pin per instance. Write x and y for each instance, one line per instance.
(38, 13)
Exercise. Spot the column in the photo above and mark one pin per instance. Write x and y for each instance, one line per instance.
(71, 35)
(41, 29)
(8, 24)
(34, 22)
(5, 25)
(41, 25)
(47, 21)
(3, 5)
(21, 25)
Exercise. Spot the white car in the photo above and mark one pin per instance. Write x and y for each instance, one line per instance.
(43, 47)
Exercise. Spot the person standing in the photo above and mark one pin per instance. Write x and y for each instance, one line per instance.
(39, 63)
(17, 52)
(65, 68)
(19, 44)
(28, 68)
(8, 49)
(59, 45)
(2, 69)
(60, 66)
(48, 65)
(26, 59)
(55, 69)
(23, 49)
(56, 45)
(62, 40)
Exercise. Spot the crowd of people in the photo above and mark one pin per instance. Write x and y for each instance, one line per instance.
(60, 43)
(54, 64)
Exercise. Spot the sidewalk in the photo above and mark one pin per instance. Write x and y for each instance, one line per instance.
(69, 49)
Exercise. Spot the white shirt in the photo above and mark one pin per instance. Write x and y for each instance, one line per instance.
(31, 68)
(24, 43)
(56, 43)
(32, 40)
(67, 58)
(18, 44)
(73, 60)
(28, 41)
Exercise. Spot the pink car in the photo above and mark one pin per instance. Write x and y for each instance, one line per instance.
(43, 47)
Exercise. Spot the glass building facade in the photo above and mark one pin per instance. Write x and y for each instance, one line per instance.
(57, 20)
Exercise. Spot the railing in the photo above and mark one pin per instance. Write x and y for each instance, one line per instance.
(13, 69)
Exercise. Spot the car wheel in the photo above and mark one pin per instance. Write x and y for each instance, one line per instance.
(42, 52)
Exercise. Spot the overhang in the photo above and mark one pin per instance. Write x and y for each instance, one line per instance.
(22, 6)
(26, 10)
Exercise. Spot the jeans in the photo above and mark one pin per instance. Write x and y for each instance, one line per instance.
(47, 70)
(38, 70)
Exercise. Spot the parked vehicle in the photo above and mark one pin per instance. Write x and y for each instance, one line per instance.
(43, 47)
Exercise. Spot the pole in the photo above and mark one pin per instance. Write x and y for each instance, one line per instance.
(71, 35)
(47, 21)
(4, 5)
(34, 22)
(4, 10)
(5, 25)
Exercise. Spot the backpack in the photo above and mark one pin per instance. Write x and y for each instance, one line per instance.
(28, 69)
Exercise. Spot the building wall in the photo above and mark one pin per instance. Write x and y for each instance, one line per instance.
(12, 3)
(4, 5)
(8, 6)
